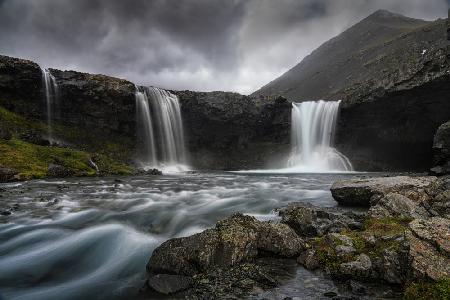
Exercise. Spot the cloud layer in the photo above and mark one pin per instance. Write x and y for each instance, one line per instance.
(233, 45)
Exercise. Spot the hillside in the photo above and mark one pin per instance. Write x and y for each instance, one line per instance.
(371, 49)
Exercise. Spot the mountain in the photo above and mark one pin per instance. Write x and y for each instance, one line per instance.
(347, 59)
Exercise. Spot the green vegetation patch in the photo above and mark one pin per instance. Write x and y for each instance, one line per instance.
(439, 290)
(32, 161)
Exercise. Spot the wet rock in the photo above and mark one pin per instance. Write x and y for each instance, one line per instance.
(441, 150)
(360, 267)
(234, 240)
(8, 174)
(55, 170)
(429, 242)
(309, 260)
(150, 172)
(310, 221)
(357, 288)
(169, 284)
(239, 281)
(367, 192)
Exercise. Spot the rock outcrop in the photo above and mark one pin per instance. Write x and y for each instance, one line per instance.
(232, 131)
(368, 191)
(237, 240)
(96, 112)
(441, 150)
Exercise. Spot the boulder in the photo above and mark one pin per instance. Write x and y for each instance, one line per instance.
(429, 252)
(441, 150)
(234, 240)
(310, 221)
(8, 174)
(55, 170)
(360, 267)
(367, 192)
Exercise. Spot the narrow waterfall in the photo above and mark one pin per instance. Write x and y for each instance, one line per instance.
(51, 97)
(160, 128)
(313, 127)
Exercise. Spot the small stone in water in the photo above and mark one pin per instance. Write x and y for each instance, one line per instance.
(330, 294)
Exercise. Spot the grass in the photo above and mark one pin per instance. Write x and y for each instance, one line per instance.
(32, 161)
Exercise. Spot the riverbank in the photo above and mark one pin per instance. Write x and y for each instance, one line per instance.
(401, 242)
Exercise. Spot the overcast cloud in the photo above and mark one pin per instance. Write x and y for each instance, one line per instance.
(232, 45)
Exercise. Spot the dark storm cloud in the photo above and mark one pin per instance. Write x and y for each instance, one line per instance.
(197, 44)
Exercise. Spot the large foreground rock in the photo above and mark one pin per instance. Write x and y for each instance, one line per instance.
(429, 242)
(234, 241)
(368, 191)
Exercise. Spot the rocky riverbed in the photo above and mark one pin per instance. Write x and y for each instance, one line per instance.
(401, 242)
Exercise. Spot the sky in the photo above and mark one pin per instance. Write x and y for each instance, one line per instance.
(202, 45)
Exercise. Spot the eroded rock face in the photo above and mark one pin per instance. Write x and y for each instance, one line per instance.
(441, 150)
(21, 86)
(429, 242)
(233, 131)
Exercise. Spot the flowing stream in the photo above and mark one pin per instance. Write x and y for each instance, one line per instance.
(91, 238)
(160, 129)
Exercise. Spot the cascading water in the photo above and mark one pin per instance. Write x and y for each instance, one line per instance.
(161, 129)
(313, 127)
(51, 97)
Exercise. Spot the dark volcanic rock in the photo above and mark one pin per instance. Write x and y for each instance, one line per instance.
(441, 150)
(98, 103)
(310, 221)
(234, 240)
(232, 131)
(55, 170)
(233, 246)
(21, 86)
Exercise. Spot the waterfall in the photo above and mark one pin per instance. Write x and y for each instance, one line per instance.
(160, 128)
(51, 97)
(313, 127)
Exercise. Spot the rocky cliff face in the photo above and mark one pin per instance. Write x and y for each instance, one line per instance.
(232, 131)
(98, 113)
(392, 73)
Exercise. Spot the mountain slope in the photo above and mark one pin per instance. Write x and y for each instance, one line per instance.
(346, 59)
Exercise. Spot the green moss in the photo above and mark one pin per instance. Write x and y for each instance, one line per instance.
(386, 226)
(32, 161)
(327, 255)
(439, 290)
(18, 124)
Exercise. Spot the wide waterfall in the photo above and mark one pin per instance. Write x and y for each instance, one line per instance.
(313, 128)
(160, 129)
(51, 97)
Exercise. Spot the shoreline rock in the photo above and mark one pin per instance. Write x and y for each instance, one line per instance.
(400, 241)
